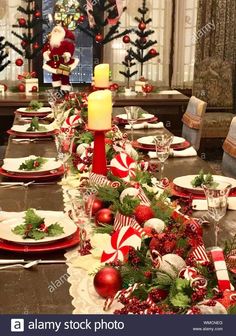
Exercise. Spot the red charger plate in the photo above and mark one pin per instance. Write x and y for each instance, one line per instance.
(32, 114)
(59, 245)
(181, 146)
(33, 135)
(125, 122)
(33, 176)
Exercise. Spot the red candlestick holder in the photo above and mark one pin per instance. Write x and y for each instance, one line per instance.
(99, 165)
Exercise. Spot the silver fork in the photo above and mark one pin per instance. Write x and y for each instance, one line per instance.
(26, 266)
(15, 184)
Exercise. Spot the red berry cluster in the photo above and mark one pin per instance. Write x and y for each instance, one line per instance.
(198, 295)
(133, 258)
(136, 307)
(157, 294)
(87, 247)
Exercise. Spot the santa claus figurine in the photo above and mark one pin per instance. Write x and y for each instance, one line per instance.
(58, 56)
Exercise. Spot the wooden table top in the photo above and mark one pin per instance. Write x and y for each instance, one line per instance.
(27, 291)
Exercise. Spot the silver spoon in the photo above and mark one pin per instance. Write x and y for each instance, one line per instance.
(26, 266)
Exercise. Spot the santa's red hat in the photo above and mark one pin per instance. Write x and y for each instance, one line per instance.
(69, 34)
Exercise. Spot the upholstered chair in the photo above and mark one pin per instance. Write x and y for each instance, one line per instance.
(193, 121)
(229, 147)
(213, 82)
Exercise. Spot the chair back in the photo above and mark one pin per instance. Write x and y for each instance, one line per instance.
(229, 147)
(193, 121)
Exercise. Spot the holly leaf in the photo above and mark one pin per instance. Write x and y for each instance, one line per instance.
(55, 230)
(180, 300)
(37, 235)
(32, 164)
(19, 229)
(32, 218)
(232, 310)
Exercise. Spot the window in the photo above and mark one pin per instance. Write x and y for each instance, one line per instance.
(158, 69)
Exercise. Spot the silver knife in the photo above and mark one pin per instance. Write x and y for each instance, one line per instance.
(23, 261)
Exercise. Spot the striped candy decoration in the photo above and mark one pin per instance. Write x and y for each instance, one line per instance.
(124, 292)
(123, 166)
(72, 121)
(121, 221)
(143, 198)
(221, 269)
(200, 255)
(121, 241)
(101, 180)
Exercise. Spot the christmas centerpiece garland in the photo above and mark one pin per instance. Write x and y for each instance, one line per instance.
(143, 255)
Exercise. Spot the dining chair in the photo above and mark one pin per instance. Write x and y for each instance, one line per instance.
(229, 147)
(193, 121)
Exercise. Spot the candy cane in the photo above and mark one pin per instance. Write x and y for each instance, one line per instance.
(72, 121)
(123, 166)
(121, 241)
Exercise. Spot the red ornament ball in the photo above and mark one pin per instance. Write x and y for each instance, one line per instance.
(36, 45)
(107, 282)
(81, 19)
(153, 52)
(99, 38)
(104, 216)
(34, 89)
(142, 26)
(23, 44)
(126, 39)
(22, 22)
(21, 87)
(37, 14)
(143, 213)
(97, 205)
(19, 62)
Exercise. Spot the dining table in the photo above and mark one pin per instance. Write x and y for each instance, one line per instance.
(27, 291)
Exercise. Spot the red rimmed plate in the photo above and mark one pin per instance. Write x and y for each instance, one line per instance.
(125, 122)
(34, 176)
(181, 146)
(59, 245)
(32, 114)
(32, 135)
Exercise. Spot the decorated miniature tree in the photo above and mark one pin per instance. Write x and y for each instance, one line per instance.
(128, 63)
(101, 20)
(30, 20)
(3, 54)
(143, 51)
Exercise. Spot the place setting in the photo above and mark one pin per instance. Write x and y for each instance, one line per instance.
(34, 109)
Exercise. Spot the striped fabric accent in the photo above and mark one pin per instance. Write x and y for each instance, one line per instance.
(200, 254)
(122, 220)
(143, 198)
(191, 121)
(229, 146)
(97, 179)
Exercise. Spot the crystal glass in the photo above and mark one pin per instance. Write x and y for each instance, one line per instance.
(132, 113)
(162, 144)
(81, 200)
(64, 141)
(217, 202)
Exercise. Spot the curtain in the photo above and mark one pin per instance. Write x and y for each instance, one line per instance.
(219, 42)
(8, 17)
(184, 43)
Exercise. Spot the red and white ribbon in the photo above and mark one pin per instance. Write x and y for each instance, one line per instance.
(121, 221)
(121, 241)
(101, 180)
(221, 269)
(124, 292)
(200, 255)
(143, 198)
(123, 166)
(72, 121)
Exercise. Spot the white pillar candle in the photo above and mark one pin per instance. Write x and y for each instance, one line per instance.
(100, 110)
(101, 76)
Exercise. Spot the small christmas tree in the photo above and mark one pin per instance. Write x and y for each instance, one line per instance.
(103, 14)
(3, 54)
(128, 63)
(29, 39)
(142, 43)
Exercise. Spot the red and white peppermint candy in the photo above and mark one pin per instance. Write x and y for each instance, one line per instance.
(123, 166)
(72, 121)
(121, 241)
(188, 273)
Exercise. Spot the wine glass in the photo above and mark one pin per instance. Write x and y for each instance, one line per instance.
(63, 141)
(81, 200)
(162, 144)
(132, 113)
(217, 202)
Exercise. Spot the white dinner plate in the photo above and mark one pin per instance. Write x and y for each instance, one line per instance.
(149, 140)
(41, 110)
(184, 182)
(50, 217)
(23, 128)
(12, 165)
(145, 116)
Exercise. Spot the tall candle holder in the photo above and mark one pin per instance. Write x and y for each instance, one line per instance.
(99, 165)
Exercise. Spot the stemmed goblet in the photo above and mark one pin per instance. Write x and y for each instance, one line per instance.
(162, 144)
(217, 202)
(132, 113)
